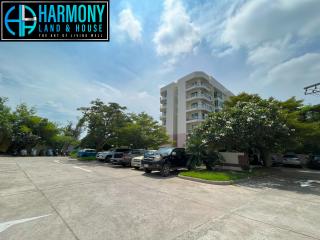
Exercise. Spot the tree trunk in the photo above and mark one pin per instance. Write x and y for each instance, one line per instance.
(267, 160)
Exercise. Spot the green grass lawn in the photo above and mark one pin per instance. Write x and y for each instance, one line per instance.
(217, 175)
(87, 158)
(74, 155)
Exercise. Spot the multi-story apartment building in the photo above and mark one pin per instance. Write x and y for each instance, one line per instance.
(188, 101)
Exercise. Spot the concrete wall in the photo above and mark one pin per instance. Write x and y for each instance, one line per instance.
(231, 157)
(231, 160)
(171, 114)
(181, 117)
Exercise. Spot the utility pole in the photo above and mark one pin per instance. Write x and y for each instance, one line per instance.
(312, 89)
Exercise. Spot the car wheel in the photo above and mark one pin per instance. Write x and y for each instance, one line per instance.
(136, 168)
(147, 170)
(165, 170)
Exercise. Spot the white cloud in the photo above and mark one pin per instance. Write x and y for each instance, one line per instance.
(289, 78)
(177, 34)
(260, 21)
(130, 25)
(300, 71)
(272, 53)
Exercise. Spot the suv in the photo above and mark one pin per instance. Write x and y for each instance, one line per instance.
(124, 156)
(87, 153)
(165, 160)
(104, 156)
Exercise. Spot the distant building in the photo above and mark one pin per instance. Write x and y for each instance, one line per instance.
(187, 102)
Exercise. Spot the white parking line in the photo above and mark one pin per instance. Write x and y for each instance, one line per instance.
(83, 169)
(316, 172)
(57, 161)
(4, 226)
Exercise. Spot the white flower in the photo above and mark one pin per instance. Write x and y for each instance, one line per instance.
(249, 119)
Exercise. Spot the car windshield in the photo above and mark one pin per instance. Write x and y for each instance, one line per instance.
(149, 153)
(289, 156)
(123, 150)
(164, 151)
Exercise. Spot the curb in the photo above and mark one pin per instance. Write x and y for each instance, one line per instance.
(214, 182)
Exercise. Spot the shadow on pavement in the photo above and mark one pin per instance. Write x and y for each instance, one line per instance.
(299, 180)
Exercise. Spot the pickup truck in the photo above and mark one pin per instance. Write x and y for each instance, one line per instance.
(165, 160)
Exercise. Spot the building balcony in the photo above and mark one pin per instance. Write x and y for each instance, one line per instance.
(200, 108)
(198, 86)
(163, 108)
(163, 100)
(163, 117)
(200, 97)
(195, 120)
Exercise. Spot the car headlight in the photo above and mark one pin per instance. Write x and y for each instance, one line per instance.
(157, 158)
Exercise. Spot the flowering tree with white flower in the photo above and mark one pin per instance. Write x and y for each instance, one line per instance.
(245, 126)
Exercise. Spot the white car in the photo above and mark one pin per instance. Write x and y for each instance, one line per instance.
(136, 161)
(104, 156)
(291, 159)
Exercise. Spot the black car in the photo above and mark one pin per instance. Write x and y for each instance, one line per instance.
(314, 161)
(166, 159)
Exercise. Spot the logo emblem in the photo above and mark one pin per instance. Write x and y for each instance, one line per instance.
(22, 25)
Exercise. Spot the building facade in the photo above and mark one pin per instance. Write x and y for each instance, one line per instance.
(184, 104)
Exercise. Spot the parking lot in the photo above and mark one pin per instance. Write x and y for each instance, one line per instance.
(61, 199)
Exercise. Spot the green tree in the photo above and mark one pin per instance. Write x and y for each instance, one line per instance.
(247, 125)
(5, 125)
(102, 122)
(305, 120)
(143, 132)
(30, 130)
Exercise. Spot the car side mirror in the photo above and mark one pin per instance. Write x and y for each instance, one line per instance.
(174, 154)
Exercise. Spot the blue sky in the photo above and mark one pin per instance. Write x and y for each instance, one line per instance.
(267, 47)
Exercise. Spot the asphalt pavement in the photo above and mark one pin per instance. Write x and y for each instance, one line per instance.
(55, 198)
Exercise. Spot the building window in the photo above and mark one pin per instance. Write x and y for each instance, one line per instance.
(194, 115)
(194, 94)
(194, 105)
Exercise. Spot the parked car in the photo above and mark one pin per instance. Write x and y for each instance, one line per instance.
(123, 157)
(136, 161)
(34, 152)
(277, 160)
(50, 153)
(314, 161)
(165, 160)
(24, 152)
(291, 159)
(87, 153)
(104, 156)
